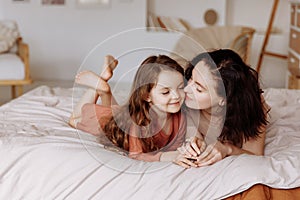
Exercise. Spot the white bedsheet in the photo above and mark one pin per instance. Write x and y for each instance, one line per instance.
(43, 158)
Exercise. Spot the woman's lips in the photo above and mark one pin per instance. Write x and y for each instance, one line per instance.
(188, 98)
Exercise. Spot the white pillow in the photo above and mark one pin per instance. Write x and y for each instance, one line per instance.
(8, 35)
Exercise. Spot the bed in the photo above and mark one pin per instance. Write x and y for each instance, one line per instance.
(42, 157)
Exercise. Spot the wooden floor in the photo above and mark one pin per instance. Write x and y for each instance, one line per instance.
(5, 91)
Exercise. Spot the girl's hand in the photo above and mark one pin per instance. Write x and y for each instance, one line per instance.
(213, 153)
(185, 162)
(192, 147)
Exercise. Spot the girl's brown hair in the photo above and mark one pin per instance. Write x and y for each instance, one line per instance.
(135, 113)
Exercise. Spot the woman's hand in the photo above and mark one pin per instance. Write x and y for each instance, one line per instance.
(213, 153)
(192, 147)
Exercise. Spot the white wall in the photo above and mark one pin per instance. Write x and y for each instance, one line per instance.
(1, 11)
(60, 37)
(192, 11)
(256, 13)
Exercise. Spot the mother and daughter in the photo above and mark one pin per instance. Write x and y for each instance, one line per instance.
(223, 101)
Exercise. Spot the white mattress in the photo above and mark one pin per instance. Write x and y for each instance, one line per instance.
(44, 158)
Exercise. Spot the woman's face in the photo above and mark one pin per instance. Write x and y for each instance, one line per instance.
(200, 91)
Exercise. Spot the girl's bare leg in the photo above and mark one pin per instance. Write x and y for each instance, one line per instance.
(92, 95)
(94, 81)
(107, 98)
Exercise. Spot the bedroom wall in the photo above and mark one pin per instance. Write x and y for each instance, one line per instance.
(60, 37)
(192, 11)
(256, 13)
(1, 11)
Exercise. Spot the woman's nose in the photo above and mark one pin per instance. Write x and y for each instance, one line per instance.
(188, 88)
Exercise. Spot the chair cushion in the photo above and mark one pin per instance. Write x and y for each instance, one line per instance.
(11, 67)
(8, 35)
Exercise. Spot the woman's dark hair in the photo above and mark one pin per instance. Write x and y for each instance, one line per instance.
(136, 112)
(245, 110)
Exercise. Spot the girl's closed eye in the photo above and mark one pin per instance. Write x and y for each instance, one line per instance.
(165, 92)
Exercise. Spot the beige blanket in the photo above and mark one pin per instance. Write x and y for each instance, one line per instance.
(264, 192)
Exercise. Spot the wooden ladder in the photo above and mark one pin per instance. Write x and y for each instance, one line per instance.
(266, 40)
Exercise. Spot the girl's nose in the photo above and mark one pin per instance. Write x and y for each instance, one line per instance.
(175, 94)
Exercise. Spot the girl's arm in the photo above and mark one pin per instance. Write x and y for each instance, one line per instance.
(135, 146)
(169, 156)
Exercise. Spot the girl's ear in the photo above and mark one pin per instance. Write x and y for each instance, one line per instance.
(148, 99)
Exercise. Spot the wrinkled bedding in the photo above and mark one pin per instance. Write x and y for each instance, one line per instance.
(42, 157)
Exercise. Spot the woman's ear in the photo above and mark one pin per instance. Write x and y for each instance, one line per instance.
(222, 102)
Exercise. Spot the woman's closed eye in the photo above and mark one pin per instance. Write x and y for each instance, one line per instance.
(198, 89)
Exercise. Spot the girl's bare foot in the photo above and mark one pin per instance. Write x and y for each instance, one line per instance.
(90, 79)
(110, 63)
(74, 120)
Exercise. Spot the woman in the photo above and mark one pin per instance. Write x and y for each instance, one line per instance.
(232, 113)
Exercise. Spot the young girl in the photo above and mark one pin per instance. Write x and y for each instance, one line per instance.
(151, 121)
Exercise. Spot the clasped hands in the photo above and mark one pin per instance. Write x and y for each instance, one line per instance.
(196, 153)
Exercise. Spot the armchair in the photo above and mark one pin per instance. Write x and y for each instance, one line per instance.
(195, 41)
(14, 67)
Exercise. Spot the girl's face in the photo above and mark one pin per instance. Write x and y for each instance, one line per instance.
(200, 91)
(168, 95)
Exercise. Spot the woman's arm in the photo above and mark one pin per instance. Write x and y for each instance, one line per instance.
(256, 146)
(219, 150)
